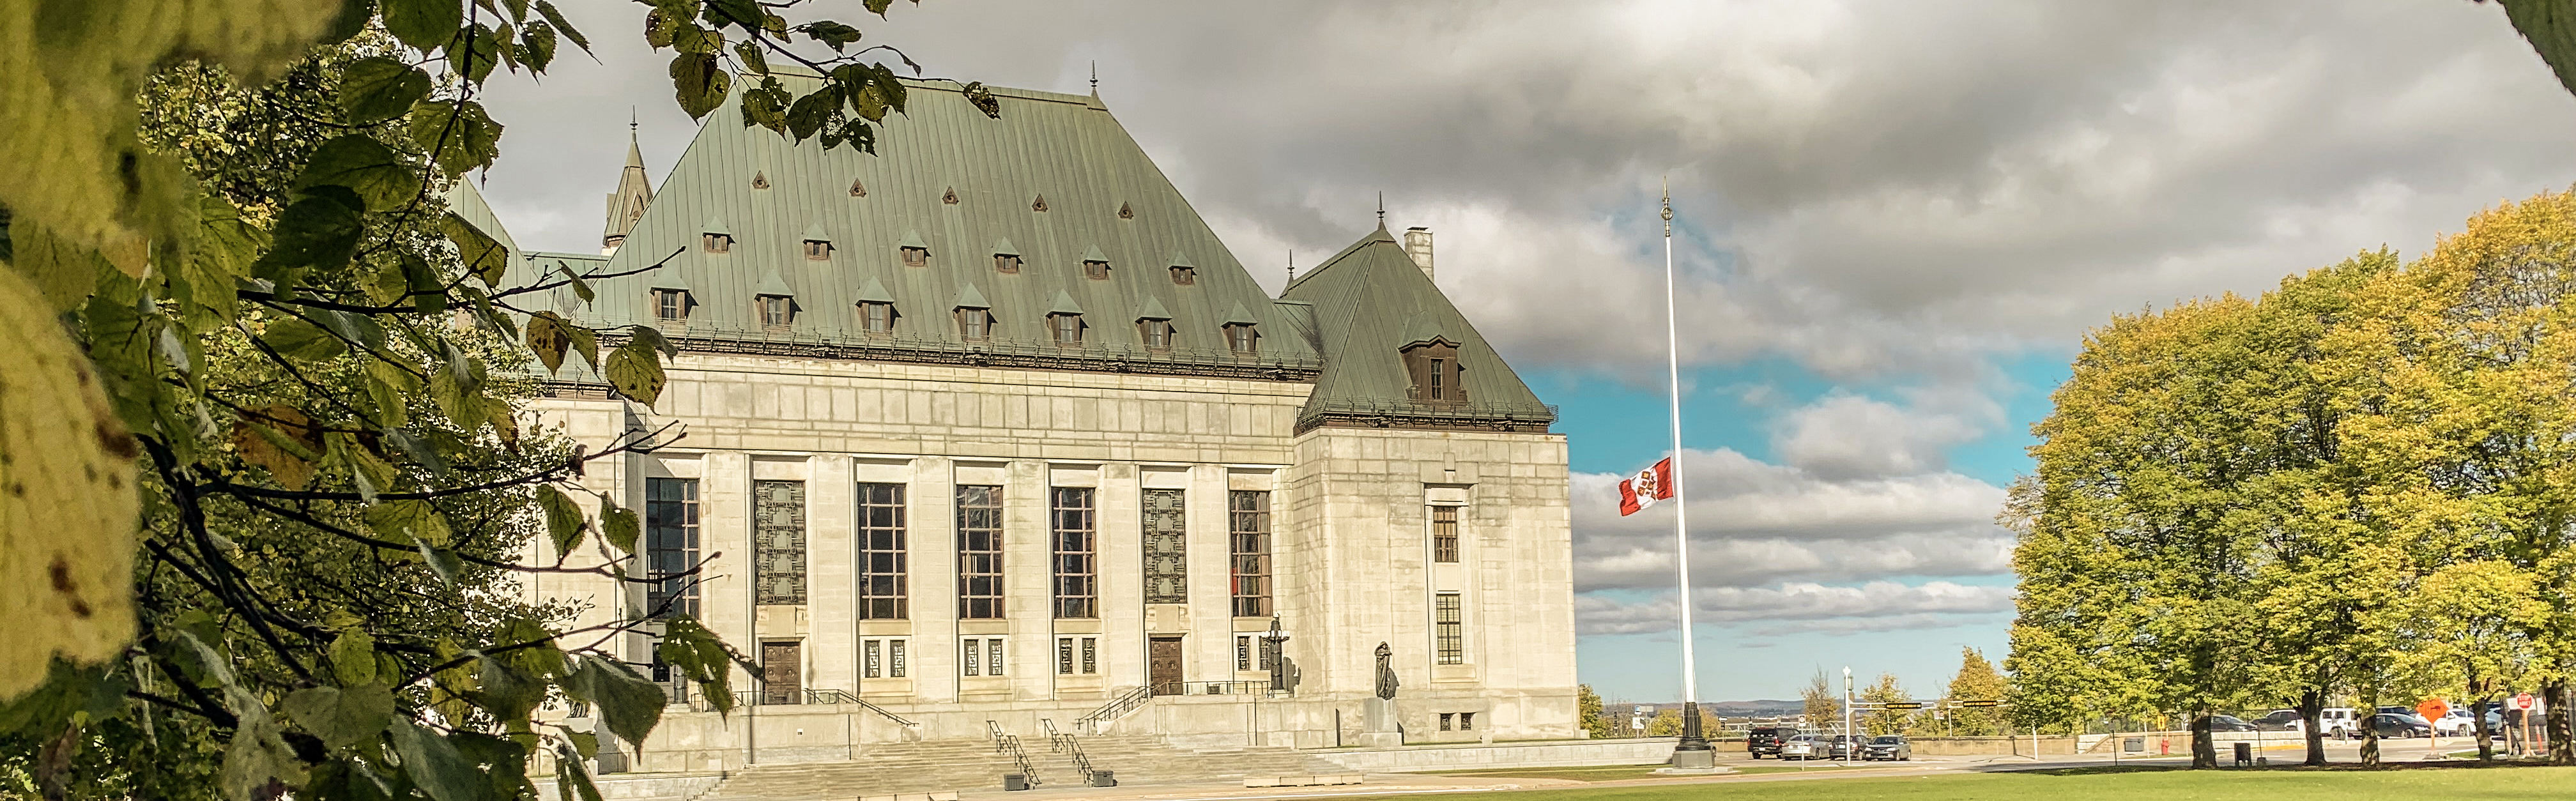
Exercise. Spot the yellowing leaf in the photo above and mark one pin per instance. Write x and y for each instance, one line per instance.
(483, 255)
(636, 371)
(67, 500)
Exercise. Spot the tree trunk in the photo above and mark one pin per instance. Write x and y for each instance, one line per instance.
(2478, 723)
(2312, 706)
(2562, 751)
(2204, 754)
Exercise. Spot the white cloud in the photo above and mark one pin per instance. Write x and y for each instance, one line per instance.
(1793, 607)
(1849, 436)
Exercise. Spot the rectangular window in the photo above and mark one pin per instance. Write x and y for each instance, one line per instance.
(1243, 653)
(1452, 642)
(1241, 339)
(717, 243)
(1096, 270)
(1006, 263)
(671, 546)
(993, 656)
(777, 310)
(1067, 329)
(916, 257)
(1250, 528)
(884, 581)
(817, 250)
(1445, 718)
(876, 318)
(1444, 533)
(1466, 721)
(1439, 379)
(1077, 590)
(1185, 276)
(875, 659)
(670, 305)
(979, 552)
(1166, 570)
(778, 541)
(1090, 654)
(1064, 655)
(894, 659)
(1158, 333)
(974, 323)
(973, 658)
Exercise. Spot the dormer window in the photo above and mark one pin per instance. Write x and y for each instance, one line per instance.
(1157, 333)
(1185, 276)
(916, 257)
(671, 305)
(1437, 375)
(974, 324)
(1066, 328)
(1239, 337)
(1095, 270)
(876, 318)
(717, 243)
(1006, 262)
(776, 311)
(818, 250)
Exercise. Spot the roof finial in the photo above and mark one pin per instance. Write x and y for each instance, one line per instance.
(1095, 77)
(1292, 265)
(1381, 208)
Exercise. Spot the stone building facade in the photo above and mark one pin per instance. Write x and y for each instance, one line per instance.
(936, 478)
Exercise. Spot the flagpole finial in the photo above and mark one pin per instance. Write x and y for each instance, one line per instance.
(1095, 77)
(1668, 207)
(1381, 208)
(1292, 265)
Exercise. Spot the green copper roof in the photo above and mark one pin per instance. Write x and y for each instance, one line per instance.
(772, 286)
(1065, 148)
(814, 233)
(1152, 310)
(1003, 247)
(1064, 304)
(912, 239)
(1178, 260)
(715, 225)
(875, 292)
(1367, 300)
(1236, 314)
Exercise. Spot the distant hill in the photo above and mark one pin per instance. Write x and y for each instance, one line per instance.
(1731, 709)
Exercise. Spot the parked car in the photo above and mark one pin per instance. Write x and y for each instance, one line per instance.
(2464, 723)
(1843, 745)
(2281, 720)
(1804, 746)
(1767, 739)
(2388, 725)
(1890, 747)
(2228, 723)
(2338, 722)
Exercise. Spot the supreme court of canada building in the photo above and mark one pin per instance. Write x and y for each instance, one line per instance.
(991, 431)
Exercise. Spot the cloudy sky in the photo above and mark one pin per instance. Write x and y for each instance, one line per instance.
(1896, 221)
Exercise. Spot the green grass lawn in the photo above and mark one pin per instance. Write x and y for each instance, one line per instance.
(2120, 784)
(1607, 773)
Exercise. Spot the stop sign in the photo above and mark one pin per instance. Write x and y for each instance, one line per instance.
(2432, 709)
(2522, 701)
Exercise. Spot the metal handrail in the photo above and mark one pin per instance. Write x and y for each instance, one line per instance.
(1063, 743)
(1533, 413)
(1117, 708)
(1223, 688)
(1008, 743)
(753, 698)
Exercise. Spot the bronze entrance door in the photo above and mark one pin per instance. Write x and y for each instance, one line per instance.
(782, 671)
(1165, 666)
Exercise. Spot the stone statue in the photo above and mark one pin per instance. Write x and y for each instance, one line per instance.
(1385, 672)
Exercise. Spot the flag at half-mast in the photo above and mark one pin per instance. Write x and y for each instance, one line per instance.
(1650, 485)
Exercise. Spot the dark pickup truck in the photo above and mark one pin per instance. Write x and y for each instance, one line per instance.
(1767, 740)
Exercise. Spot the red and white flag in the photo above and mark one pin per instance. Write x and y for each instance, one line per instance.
(1651, 484)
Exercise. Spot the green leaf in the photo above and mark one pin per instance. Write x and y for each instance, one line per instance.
(636, 372)
(538, 39)
(620, 527)
(549, 336)
(744, 14)
(384, 179)
(809, 113)
(754, 60)
(258, 754)
(443, 562)
(301, 341)
(660, 28)
(981, 97)
(353, 657)
(586, 343)
(342, 716)
(509, 691)
(630, 704)
(377, 89)
(318, 231)
(483, 256)
(580, 288)
(698, 83)
(652, 337)
(878, 7)
(556, 19)
(421, 282)
(572, 780)
(835, 34)
(371, 472)
(564, 521)
(477, 49)
(457, 134)
(434, 765)
(423, 24)
(765, 107)
(408, 521)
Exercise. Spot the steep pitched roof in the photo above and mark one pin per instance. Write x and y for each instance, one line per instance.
(1067, 148)
(634, 194)
(1370, 302)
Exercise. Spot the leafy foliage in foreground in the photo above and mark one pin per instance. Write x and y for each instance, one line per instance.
(265, 495)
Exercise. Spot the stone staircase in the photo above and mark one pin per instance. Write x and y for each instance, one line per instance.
(948, 765)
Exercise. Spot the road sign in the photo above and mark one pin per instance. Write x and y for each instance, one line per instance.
(2432, 709)
(1904, 705)
(2523, 702)
(1980, 703)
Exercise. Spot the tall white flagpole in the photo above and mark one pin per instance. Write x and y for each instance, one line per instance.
(1693, 750)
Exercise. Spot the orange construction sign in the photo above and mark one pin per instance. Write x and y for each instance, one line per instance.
(2432, 709)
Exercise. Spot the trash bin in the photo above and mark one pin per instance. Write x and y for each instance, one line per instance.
(2244, 755)
(1015, 781)
(1104, 778)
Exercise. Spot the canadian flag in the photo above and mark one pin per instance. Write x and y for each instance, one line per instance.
(1651, 484)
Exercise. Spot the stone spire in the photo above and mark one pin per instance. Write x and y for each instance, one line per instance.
(634, 192)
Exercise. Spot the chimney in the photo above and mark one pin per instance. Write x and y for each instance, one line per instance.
(1417, 243)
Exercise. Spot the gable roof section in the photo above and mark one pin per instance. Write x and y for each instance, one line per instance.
(1370, 302)
(1065, 147)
